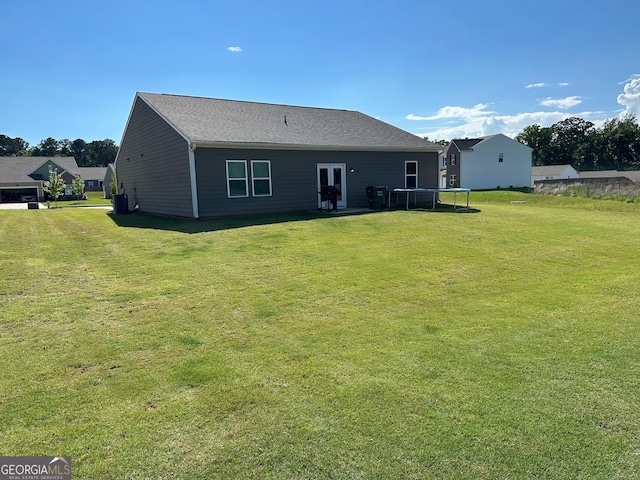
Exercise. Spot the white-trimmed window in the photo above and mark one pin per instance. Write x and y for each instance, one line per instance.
(500, 158)
(453, 181)
(261, 178)
(453, 159)
(237, 181)
(410, 174)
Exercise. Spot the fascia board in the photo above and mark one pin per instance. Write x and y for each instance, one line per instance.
(329, 148)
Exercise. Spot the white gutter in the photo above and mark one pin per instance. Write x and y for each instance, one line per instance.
(192, 175)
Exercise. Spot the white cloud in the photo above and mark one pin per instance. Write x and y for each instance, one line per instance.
(630, 98)
(478, 122)
(562, 103)
(460, 122)
(635, 75)
(542, 84)
(234, 49)
(455, 112)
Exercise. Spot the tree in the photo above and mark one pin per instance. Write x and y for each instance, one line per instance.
(77, 186)
(54, 186)
(64, 148)
(572, 140)
(46, 148)
(539, 140)
(100, 153)
(618, 145)
(113, 186)
(77, 151)
(12, 146)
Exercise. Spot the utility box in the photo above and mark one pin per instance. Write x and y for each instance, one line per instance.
(120, 203)
(375, 197)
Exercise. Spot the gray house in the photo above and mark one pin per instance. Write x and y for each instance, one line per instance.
(22, 178)
(203, 157)
(93, 178)
(109, 177)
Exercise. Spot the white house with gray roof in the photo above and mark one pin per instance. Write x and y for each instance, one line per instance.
(552, 172)
(204, 157)
(484, 163)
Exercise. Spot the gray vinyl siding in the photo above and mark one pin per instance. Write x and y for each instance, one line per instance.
(43, 170)
(454, 169)
(294, 177)
(153, 165)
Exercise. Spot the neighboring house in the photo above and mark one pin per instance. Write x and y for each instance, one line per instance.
(632, 175)
(93, 178)
(494, 161)
(22, 178)
(552, 172)
(204, 157)
(610, 179)
(109, 176)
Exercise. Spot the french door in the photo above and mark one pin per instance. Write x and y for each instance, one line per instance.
(333, 174)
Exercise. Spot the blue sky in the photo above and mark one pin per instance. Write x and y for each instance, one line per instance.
(445, 69)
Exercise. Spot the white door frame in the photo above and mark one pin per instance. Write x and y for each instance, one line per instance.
(332, 167)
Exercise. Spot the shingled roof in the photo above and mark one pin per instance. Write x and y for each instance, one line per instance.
(467, 143)
(549, 170)
(210, 121)
(633, 175)
(19, 169)
(92, 173)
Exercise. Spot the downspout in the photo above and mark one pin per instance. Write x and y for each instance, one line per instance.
(192, 175)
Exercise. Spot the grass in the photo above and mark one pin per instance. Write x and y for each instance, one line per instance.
(92, 199)
(406, 344)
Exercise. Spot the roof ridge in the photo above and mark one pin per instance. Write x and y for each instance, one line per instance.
(200, 97)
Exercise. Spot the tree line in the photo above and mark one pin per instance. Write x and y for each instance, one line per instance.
(97, 153)
(578, 142)
(574, 141)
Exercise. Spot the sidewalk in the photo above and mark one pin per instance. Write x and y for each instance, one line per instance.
(25, 206)
(18, 206)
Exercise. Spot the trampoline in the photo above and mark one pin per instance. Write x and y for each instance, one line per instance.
(433, 192)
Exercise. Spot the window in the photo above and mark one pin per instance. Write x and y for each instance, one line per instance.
(500, 158)
(453, 159)
(237, 178)
(90, 184)
(261, 178)
(444, 161)
(453, 181)
(410, 174)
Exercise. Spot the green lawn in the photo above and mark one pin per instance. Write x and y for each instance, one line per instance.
(502, 343)
(92, 199)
